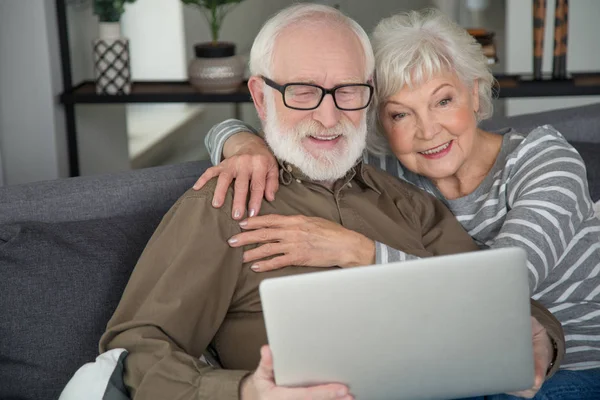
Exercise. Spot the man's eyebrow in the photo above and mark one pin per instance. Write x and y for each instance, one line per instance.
(352, 80)
(302, 79)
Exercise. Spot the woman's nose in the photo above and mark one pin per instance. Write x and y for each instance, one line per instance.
(429, 127)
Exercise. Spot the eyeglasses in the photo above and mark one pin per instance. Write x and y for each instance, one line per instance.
(306, 96)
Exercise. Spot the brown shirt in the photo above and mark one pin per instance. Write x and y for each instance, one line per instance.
(191, 290)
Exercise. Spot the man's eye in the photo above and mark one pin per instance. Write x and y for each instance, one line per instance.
(348, 92)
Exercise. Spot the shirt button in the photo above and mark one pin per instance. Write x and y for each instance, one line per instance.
(298, 180)
(289, 168)
(350, 185)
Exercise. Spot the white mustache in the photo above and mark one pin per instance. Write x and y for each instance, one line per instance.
(312, 128)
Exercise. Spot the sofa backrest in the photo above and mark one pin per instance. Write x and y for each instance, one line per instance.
(99, 196)
(579, 125)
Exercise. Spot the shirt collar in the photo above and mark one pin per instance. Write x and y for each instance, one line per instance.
(289, 172)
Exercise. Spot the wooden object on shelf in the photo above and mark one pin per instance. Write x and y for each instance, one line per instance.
(563, 60)
(559, 59)
(539, 28)
(486, 39)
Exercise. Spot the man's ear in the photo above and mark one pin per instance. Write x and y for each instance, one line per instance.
(256, 87)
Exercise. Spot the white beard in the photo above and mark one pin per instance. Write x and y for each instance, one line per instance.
(325, 165)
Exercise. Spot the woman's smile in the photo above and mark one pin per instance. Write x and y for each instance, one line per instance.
(437, 152)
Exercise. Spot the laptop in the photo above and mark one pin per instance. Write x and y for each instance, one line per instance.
(437, 328)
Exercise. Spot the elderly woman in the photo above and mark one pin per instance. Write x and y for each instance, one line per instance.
(508, 188)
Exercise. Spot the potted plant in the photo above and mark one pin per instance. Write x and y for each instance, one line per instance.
(110, 10)
(216, 68)
(112, 68)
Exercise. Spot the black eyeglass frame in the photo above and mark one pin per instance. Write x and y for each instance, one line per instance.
(324, 92)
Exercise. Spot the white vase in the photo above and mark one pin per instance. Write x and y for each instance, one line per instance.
(112, 69)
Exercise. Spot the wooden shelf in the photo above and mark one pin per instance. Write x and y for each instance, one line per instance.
(578, 84)
(153, 92)
(509, 86)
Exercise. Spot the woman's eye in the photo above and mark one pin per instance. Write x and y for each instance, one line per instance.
(445, 102)
(398, 116)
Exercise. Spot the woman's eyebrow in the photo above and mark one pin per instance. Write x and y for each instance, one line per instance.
(440, 87)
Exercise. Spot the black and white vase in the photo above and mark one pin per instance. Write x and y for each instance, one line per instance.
(112, 69)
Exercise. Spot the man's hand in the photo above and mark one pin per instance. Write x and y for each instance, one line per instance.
(542, 357)
(261, 385)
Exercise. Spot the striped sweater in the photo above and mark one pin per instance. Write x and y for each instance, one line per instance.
(535, 197)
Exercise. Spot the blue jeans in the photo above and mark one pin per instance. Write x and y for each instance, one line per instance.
(564, 385)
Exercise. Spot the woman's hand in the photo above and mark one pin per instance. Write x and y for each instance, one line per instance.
(543, 353)
(302, 241)
(251, 165)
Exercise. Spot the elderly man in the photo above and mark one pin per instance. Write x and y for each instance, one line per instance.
(191, 291)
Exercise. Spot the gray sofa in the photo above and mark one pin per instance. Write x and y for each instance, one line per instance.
(67, 248)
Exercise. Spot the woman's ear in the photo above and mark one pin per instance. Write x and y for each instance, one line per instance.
(256, 87)
(475, 95)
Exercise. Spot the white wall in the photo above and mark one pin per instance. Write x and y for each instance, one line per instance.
(101, 129)
(155, 32)
(32, 128)
(583, 49)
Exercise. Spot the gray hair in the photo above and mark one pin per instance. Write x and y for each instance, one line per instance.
(261, 55)
(411, 47)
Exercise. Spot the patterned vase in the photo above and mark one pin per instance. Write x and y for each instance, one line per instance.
(216, 68)
(112, 70)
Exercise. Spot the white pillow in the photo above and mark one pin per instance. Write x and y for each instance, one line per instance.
(90, 382)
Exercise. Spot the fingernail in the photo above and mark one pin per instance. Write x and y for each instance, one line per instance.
(255, 267)
(251, 213)
(243, 223)
(341, 393)
(236, 214)
(215, 203)
(232, 241)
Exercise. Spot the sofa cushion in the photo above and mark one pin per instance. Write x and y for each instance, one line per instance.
(60, 284)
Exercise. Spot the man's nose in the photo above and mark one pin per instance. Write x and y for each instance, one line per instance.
(327, 113)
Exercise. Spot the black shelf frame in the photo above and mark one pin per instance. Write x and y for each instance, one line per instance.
(153, 92)
(508, 86)
(65, 58)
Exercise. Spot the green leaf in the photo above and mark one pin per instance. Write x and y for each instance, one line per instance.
(214, 12)
(110, 10)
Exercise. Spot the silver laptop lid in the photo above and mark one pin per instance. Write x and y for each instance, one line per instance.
(436, 328)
